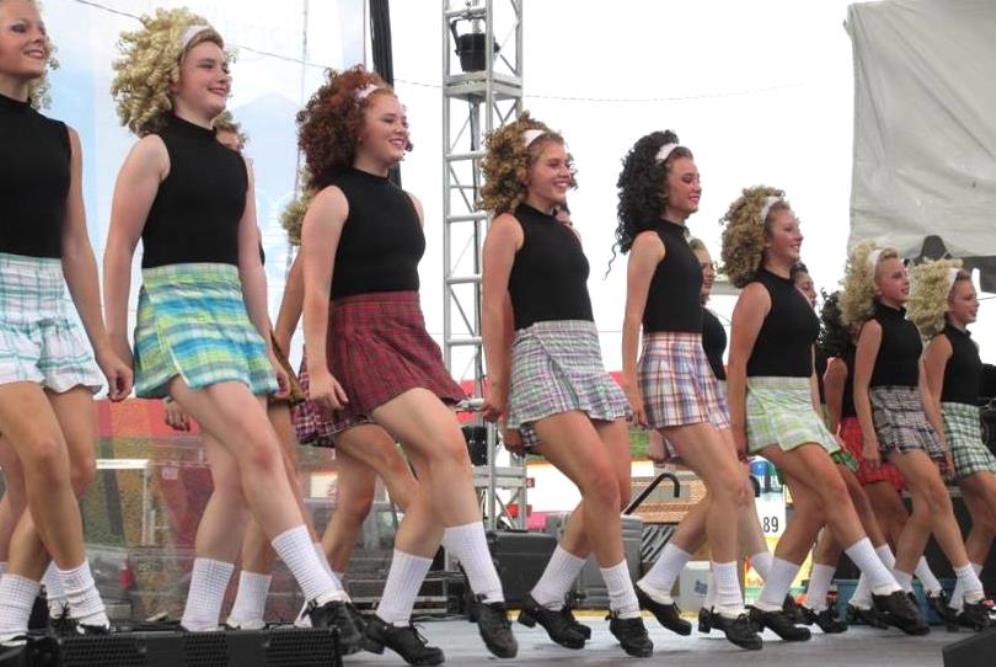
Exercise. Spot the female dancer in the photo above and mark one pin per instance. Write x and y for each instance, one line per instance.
(373, 359)
(202, 331)
(775, 408)
(673, 389)
(47, 371)
(549, 382)
(942, 305)
(898, 418)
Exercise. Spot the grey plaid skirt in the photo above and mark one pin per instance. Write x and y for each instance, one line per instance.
(900, 422)
(963, 431)
(677, 382)
(557, 367)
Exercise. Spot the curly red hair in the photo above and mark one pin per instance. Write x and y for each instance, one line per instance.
(330, 123)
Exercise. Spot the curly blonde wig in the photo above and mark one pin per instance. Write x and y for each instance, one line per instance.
(696, 244)
(292, 216)
(857, 300)
(150, 63)
(930, 293)
(744, 233)
(506, 163)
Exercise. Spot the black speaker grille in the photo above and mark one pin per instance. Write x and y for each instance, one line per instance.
(290, 648)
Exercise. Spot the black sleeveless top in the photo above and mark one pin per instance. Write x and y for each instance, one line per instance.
(963, 374)
(714, 342)
(550, 273)
(784, 345)
(674, 301)
(382, 240)
(196, 213)
(898, 360)
(847, 408)
(820, 357)
(34, 180)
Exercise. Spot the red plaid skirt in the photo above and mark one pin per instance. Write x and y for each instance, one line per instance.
(850, 433)
(311, 426)
(378, 348)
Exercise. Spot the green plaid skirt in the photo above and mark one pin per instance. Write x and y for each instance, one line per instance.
(192, 322)
(780, 411)
(963, 431)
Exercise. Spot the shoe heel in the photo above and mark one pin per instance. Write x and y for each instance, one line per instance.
(705, 627)
(371, 645)
(527, 619)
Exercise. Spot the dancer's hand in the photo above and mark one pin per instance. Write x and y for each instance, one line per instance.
(870, 454)
(494, 403)
(512, 440)
(656, 449)
(949, 468)
(175, 417)
(635, 398)
(283, 380)
(117, 371)
(326, 392)
(740, 442)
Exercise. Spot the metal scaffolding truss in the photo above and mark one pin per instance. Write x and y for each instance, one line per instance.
(477, 98)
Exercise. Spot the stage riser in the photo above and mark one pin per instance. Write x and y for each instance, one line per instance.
(977, 651)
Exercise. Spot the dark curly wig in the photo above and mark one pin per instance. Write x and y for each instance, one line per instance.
(835, 337)
(330, 123)
(641, 187)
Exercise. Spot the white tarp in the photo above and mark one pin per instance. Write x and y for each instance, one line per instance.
(925, 124)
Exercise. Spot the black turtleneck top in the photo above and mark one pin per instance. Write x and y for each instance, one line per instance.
(898, 360)
(673, 301)
(963, 374)
(196, 213)
(714, 342)
(34, 180)
(784, 345)
(550, 273)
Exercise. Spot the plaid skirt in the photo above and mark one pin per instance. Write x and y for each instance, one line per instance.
(901, 424)
(677, 382)
(849, 432)
(557, 367)
(40, 340)
(311, 426)
(963, 432)
(377, 348)
(192, 322)
(780, 412)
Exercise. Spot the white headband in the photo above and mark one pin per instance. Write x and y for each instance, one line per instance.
(188, 35)
(769, 201)
(529, 136)
(665, 152)
(952, 277)
(873, 258)
(366, 91)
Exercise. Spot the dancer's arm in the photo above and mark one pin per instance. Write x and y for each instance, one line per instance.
(752, 307)
(290, 306)
(647, 252)
(834, 381)
(80, 269)
(320, 234)
(869, 342)
(138, 182)
(504, 239)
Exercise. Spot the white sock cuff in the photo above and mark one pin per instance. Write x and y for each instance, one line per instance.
(884, 553)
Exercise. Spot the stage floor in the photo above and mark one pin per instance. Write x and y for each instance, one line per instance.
(858, 647)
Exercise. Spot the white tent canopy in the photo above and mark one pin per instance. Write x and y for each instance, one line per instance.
(925, 126)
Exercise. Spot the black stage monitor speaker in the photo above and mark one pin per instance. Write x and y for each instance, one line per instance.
(979, 650)
(290, 647)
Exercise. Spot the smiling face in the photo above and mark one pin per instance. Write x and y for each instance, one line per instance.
(892, 283)
(205, 82)
(682, 189)
(384, 137)
(24, 45)
(963, 303)
(784, 238)
(549, 176)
